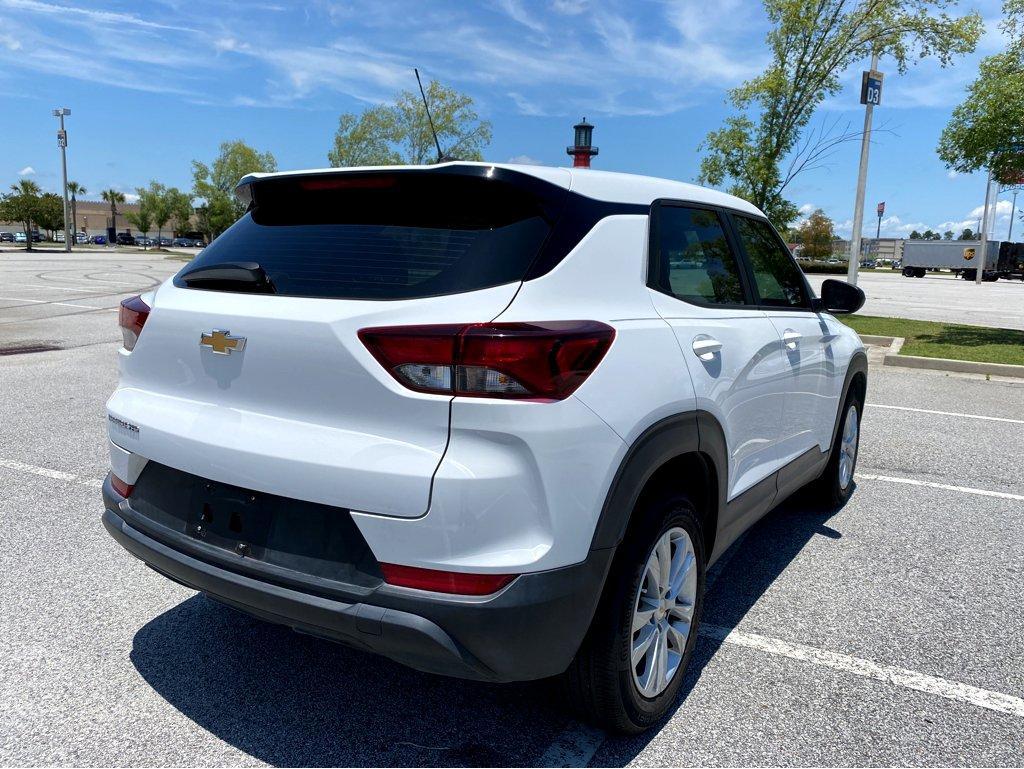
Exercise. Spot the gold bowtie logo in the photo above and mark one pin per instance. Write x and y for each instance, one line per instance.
(221, 342)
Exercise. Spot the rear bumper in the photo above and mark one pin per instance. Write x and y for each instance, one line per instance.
(529, 630)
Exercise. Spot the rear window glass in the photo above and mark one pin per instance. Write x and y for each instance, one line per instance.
(384, 236)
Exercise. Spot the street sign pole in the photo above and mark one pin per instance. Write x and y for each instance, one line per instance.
(881, 212)
(982, 252)
(1013, 211)
(870, 95)
(62, 142)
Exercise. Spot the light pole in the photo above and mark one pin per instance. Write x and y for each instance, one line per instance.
(870, 95)
(1013, 210)
(983, 251)
(62, 142)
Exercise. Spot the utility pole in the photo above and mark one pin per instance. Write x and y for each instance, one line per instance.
(984, 227)
(62, 142)
(1013, 210)
(870, 95)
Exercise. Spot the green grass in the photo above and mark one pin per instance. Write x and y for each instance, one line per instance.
(946, 340)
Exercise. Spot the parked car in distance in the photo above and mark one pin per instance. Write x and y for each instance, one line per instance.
(182, 243)
(526, 426)
(142, 241)
(99, 240)
(162, 241)
(869, 263)
(6, 237)
(19, 237)
(81, 237)
(124, 239)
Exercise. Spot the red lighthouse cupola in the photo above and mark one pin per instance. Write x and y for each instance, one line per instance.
(583, 150)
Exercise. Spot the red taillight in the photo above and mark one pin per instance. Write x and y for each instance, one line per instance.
(122, 488)
(132, 318)
(547, 360)
(459, 583)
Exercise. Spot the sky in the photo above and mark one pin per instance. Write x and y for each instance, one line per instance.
(155, 84)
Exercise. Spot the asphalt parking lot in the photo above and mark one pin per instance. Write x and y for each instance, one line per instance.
(939, 296)
(889, 632)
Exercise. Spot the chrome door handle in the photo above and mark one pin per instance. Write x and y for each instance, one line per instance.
(705, 347)
(790, 338)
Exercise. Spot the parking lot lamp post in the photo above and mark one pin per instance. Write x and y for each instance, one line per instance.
(1013, 210)
(62, 142)
(982, 252)
(871, 94)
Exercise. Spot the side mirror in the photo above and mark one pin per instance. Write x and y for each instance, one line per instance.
(840, 298)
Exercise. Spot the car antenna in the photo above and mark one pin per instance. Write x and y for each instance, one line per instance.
(441, 157)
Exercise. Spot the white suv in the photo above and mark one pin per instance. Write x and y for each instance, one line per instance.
(489, 421)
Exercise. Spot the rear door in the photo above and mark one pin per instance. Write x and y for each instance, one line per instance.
(728, 344)
(806, 355)
(264, 384)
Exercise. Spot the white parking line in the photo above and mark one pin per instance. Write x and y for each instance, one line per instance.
(43, 301)
(944, 486)
(46, 472)
(575, 745)
(908, 679)
(947, 413)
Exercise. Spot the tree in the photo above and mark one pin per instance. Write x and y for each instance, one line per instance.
(215, 184)
(180, 206)
(967, 234)
(813, 42)
(50, 213)
(141, 219)
(75, 189)
(22, 205)
(154, 201)
(817, 236)
(947, 235)
(929, 235)
(391, 134)
(915, 235)
(987, 129)
(113, 197)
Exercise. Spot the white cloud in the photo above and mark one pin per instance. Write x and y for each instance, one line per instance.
(569, 7)
(525, 160)
(10, 43)
(952, 173)
(89, 16)
(27, 171)
(131, 197)
(807, 209)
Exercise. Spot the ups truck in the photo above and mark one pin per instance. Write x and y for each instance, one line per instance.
(963, 257)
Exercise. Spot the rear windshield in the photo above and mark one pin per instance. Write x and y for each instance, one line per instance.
(384, 236)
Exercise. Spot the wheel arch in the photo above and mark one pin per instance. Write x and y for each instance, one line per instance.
(684, 452)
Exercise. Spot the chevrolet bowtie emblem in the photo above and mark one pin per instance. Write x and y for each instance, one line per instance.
(221, 342)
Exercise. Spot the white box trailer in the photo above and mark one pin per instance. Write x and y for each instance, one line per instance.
(960, 256)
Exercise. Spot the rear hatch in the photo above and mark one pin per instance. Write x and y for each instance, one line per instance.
(249, 369)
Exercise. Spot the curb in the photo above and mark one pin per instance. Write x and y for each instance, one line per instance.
(893, 358)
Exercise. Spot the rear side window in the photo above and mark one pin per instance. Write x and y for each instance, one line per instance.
(777, 278)
(384, 236)
(693, 259)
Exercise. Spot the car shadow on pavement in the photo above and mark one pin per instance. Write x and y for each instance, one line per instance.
(294, 700)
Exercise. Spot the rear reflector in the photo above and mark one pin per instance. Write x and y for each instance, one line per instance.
(122, 488)
(132, 317)
(458, 583)
(544, 360)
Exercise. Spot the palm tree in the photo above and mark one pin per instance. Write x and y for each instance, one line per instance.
(75, 189)
(113, 197)
(24, 202)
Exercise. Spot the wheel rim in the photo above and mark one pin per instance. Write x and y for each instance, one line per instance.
(848, 448)
(663, 612)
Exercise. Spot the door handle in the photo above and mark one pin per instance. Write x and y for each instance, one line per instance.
(705, 347)
(791, 339)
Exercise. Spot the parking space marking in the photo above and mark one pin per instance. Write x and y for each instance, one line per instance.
(943, 486)
(575, 745)
(46, 472)
(63, 288)
(908, 679)
(43, 301)
(947, 413)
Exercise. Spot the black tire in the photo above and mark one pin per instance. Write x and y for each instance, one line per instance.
(828, 491)
(599, 683)
(908, 272)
